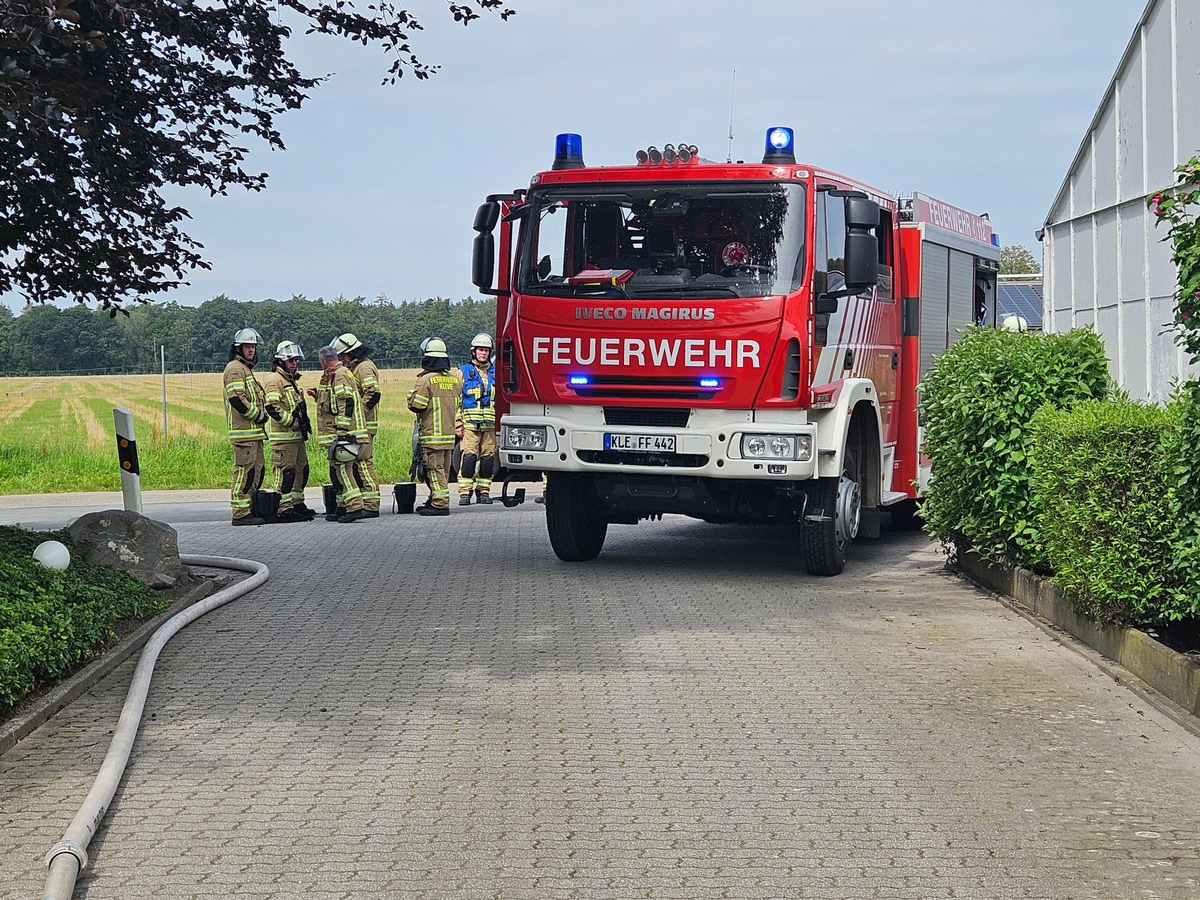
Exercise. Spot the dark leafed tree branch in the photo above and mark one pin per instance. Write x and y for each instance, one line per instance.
(104, 103)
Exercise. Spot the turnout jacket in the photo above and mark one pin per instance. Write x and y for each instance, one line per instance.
(367, 375)
(348, 413)
(326, 420)
(436, 400)
(245, 402)
(287, 409)
(478, 395)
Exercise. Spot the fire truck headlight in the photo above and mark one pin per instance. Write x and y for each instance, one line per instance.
(777, 446)
(521, 437)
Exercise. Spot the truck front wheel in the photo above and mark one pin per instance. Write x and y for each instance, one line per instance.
(830, 523)
(574, 518)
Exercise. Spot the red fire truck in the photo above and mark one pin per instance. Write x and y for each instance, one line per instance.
(737, 342)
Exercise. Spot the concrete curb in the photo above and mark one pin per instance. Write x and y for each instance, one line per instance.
(1171, 676)
(42, 708)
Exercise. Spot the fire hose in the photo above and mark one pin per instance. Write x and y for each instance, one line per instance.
(68, 857)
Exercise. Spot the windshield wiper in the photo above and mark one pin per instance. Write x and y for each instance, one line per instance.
(710, 290)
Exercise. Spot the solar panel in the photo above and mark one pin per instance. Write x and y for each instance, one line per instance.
(1020, 300)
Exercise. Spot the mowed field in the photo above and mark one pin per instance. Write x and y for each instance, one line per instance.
(57, 434)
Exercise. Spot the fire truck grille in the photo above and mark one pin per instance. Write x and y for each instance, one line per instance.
(622, 458)
(649, 418)
(630, 387)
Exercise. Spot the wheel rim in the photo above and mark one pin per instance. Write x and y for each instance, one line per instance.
(849, 510)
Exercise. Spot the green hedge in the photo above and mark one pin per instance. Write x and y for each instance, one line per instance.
(1107, 510)
(1182, 473)
(52, 622)
(977, 404)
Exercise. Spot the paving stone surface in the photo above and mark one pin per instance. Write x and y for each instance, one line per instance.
(439, 708)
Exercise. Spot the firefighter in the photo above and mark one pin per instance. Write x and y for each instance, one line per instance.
(349, 436)
(356, 356)
(479, 423)
(322, 395)
(245, 415)
(288, 428)
(436, 400)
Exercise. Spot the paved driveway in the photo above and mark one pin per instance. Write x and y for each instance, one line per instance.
(439, 708)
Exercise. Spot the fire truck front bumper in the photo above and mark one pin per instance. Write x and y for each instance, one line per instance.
(710, 444)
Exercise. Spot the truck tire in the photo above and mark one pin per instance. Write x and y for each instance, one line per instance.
(831, 522)
(574, 519)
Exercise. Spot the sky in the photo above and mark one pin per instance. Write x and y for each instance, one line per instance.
(982, 105)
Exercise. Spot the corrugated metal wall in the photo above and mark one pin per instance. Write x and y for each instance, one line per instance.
(1105, 264)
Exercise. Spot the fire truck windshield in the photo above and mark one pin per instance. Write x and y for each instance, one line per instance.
(663, 240)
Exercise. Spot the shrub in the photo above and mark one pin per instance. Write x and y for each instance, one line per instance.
(52, 622)
(1105, 510)
(977, 404)
(1183, 459)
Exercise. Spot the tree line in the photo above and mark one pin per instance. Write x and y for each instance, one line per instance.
(47, 340)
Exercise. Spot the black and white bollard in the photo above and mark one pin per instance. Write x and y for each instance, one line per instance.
(131, 477)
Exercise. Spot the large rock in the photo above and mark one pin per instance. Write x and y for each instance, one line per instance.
(146, 549)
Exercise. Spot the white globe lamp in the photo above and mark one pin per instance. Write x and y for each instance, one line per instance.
(52, 555)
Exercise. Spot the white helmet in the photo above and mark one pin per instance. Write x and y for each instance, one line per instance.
(247, 336)
(346, 343)
(345, 450)
(482, 340)
(288, 350)
(1015, 323)
(434, 346)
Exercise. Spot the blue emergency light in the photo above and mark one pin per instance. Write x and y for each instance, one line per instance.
(568, 151)
(711, 383)
(579, 380)
(781, 146)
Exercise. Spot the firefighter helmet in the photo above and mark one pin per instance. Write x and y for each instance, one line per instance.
(247, 336)
(288, 350)
(482, 340)
(434, 346)
(346, 343)
(1015, 323)
(345, 450)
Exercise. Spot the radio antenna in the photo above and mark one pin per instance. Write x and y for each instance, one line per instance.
(732, 88)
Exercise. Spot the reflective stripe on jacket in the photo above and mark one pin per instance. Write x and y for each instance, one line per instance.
(282, 402)
(241, 384)
(347, 404)
(436, 400)
(326, 420)
(368, 387)
(478, 401)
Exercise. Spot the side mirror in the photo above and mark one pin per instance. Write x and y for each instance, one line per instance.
(483, 260)
(862, 244)
(486, 217)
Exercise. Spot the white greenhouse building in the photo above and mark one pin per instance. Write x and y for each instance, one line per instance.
(1105, 264)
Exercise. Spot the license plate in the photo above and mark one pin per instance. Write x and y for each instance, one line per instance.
(654, 443)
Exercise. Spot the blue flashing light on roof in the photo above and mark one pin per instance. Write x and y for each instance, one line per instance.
(568, 151)
(995, 239)
(781, 146)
